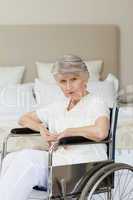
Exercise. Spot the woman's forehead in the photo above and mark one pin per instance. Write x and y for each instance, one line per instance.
(67, 76)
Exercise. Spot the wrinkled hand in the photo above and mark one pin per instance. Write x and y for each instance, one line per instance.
(66, 133)
(48, 137)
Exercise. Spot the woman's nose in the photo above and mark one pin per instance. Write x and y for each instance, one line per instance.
(68, 85)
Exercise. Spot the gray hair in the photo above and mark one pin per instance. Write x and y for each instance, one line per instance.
(70, 64)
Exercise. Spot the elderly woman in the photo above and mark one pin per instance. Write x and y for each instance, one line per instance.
(81, 114)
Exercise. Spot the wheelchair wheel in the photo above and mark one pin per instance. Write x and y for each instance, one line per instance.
(112, 182)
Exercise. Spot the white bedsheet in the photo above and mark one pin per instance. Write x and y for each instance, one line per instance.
(124, 134)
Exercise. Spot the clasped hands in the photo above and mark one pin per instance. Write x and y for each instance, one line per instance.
(52, 137)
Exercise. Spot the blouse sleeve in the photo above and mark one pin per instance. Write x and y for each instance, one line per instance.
(45, 113)
(100, 109)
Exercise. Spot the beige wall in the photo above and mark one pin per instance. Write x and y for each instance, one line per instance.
(77, 11)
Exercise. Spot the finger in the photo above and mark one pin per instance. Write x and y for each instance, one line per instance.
(49, 144)
(55, 134)
(60, 136)
(47, 134)
(49, 138)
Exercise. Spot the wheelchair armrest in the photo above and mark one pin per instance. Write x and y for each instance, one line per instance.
(16, 132)
(79, 140)
(23, 131)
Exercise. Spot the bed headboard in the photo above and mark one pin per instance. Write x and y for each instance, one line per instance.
(26, 44)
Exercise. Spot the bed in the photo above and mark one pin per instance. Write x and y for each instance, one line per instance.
(26, 45)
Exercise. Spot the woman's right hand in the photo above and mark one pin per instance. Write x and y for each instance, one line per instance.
(48, 137)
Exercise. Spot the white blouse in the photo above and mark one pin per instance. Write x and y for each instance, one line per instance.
(57, 118)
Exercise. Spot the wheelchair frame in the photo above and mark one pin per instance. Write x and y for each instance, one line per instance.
(100, 167)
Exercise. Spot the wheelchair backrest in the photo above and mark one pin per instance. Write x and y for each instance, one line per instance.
(112, 133)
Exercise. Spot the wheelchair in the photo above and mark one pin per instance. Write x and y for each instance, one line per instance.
(99, 180)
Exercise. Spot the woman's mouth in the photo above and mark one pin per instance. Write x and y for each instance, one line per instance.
(71, 92)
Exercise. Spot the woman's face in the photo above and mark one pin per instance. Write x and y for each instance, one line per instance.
(72, 85)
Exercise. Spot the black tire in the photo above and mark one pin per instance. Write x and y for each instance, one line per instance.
(111, 172)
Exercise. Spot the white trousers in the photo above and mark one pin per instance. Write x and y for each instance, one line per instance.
(21, 171)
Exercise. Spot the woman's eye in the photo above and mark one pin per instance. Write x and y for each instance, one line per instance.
(74, 79)
(62, 81)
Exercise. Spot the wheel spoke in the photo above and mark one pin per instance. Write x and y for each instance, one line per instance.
(117, 185)
(123, 185)
(127, 184)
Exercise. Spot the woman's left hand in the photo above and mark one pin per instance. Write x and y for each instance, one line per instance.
(66, 133)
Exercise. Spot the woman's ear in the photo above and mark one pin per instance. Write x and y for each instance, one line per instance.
(85, 85)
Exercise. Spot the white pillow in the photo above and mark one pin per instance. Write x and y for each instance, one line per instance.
(48, 93)
(105, 90)
(44, 70)
(16, 99)
(95, 68)
(112, 78)
(11, 75)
